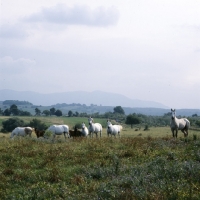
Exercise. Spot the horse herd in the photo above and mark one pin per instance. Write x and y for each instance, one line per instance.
(93, 128)
(176, 124)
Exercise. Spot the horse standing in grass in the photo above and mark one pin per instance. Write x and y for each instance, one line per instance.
(39, 133)
(94, 128)
(59, 130)
(182, 124)
(85, 131)
(113, 129)
(75, 133)
(21, 131)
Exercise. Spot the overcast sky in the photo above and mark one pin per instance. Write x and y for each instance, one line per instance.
(147, 50)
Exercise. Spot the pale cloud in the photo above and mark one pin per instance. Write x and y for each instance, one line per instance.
(13, 31)
(144, 50)
(11, 66)
(77, 15)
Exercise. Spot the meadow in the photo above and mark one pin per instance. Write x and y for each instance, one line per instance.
(139, 165)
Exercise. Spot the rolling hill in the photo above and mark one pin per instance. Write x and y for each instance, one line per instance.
(82, 97)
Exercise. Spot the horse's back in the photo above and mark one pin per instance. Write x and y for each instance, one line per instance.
(115, 129)
(95, 127)
(55, 129)
(180, 123)
(98, 126)
(65, 128)
(118, 127)
(21, 131)
(59, 129)
(19, 128)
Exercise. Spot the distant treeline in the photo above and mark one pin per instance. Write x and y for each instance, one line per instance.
(16, 102)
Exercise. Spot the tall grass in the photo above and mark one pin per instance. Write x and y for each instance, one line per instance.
(106, 168)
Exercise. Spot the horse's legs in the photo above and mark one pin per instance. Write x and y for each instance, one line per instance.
(176, 133)
(173, 133)
(91, 134)
(184, 132)
(65, 135)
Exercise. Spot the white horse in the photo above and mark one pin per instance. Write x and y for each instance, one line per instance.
(85, 131)
(182, 124)
(59, 130)
(113, 129)
(21, 131)
(94, 128)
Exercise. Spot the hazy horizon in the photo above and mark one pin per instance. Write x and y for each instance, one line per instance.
(143, 50)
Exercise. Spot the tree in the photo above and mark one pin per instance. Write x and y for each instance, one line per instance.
(36, 123)
(14, 110)
(76, 114)
(7, 112)
(1, 111)
(132, 119)
(11, 124)
(52, 111)
(58, 113)
(119, 110)
(46, 112)
(24, 113)
(70, 113)
(198, 123)
(37, 111)
(194, 115)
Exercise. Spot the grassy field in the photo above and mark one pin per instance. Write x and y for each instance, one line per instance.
(139, 165)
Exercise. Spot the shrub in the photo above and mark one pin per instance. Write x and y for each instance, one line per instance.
(11, 124)
(36, 123)
(146, 128)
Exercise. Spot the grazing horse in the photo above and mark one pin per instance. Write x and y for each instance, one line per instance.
(182, 124)
(21, 131)
(94, 128)
(85, 131)
(59, 130)
(39, 133)
(75, 133)
(113, 129)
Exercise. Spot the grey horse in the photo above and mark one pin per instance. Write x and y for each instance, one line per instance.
(182, 124)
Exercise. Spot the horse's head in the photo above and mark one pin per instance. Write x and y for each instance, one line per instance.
(173, 113)
(109, 124)
(83, 126)
(90, 120)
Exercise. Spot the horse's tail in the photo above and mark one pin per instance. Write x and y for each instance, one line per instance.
(187, 123)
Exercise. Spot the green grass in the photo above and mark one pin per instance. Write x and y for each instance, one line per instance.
(139, 165)
(106, 168)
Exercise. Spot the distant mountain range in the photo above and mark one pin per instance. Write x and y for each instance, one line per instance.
(96, 101)
(88, 98)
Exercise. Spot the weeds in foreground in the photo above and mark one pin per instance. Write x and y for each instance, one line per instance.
(106, 168)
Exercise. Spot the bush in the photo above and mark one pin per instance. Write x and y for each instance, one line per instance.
(78, 125)
(146, 128)
(36, 123)
(11, 124)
